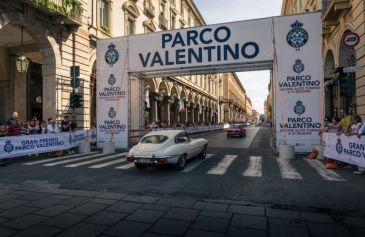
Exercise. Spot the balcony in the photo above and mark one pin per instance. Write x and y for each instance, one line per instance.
(163, 22)
(332, 10)
(149, 9)
(69, 10)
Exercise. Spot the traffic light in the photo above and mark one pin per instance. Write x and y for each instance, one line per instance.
(75, 82)
(76, 100)
(79, 101)
(73, 98)
(74, 74)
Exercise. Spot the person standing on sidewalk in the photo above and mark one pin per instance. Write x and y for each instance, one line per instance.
(66, 127)
(14, 128)
(65, 124)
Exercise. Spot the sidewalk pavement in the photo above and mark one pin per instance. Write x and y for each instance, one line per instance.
(38, 208)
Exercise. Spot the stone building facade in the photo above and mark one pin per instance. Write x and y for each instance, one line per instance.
(343, 90)
(59, 34)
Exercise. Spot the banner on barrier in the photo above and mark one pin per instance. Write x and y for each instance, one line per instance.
(349, 149)
(34, 144)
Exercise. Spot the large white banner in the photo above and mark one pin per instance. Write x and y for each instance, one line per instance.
(237, 42)
(297, 81)
(34, 144)
(349, 149)
(112, 92)
(292, 42)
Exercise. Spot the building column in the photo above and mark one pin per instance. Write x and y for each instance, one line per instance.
(192, 109)
(168, 113)
(154, 111)
(186, 114)
(162, 115)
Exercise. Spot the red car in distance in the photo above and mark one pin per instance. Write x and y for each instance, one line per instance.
(236, 130)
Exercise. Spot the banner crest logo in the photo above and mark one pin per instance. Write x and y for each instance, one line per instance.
(298, 66)
(8, 147)
(111, 55)
(339, 146)
(112, 113)
(111, 79)
(297, 37)
(299, 108)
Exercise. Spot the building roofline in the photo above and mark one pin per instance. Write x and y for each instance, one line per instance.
(196, 11)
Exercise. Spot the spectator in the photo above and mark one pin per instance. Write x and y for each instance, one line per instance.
(14, 128)
(73, 124)
(33, 127)
(24, 128)
(344, 122)
(65, 124)
(3, 131)
(52, 128)
(354, 127)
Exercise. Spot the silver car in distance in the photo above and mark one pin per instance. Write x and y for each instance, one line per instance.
(167, 147)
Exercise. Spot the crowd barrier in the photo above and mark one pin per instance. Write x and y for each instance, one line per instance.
(33, 144)
(41, 143)
(349, 149)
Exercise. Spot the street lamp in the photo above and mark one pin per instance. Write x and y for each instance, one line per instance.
(21, 62)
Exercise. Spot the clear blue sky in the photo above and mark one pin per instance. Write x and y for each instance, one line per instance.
(219, 11)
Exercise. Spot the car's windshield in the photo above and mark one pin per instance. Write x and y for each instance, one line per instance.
(154, 139)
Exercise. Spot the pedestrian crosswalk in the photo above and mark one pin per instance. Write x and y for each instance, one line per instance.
(222, 166)
(212, 165)
(254, 168)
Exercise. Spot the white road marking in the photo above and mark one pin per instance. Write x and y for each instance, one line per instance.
(287, 171)
(72, 160)
(96, 160)
(108, 163)
(254, 168)
(222, 166)
(58, 158)
(195, 164)
(326, 174)
(125, 167)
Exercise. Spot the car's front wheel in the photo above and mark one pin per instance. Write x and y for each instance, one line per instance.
(181, 162)
(203, 154)
(140, 166)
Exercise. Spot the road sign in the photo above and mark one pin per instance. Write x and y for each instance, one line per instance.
(351, 39)
(352, 69)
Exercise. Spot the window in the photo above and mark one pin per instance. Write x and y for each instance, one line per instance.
(182, 138)
(104, 13)
(154, 139)
(131, 13)
(163, 8)
(130, 27)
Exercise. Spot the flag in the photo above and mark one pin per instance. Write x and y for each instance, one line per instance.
(181, 106)
(147, 98)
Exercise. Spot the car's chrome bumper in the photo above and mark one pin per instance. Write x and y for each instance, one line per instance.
(153, 160)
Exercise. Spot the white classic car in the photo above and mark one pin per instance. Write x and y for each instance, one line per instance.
(167, 147)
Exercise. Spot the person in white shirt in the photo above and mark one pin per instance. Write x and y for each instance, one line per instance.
(52, 128)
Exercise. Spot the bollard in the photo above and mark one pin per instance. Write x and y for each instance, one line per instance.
(109, 148)
(84, 147)
(286, 151)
